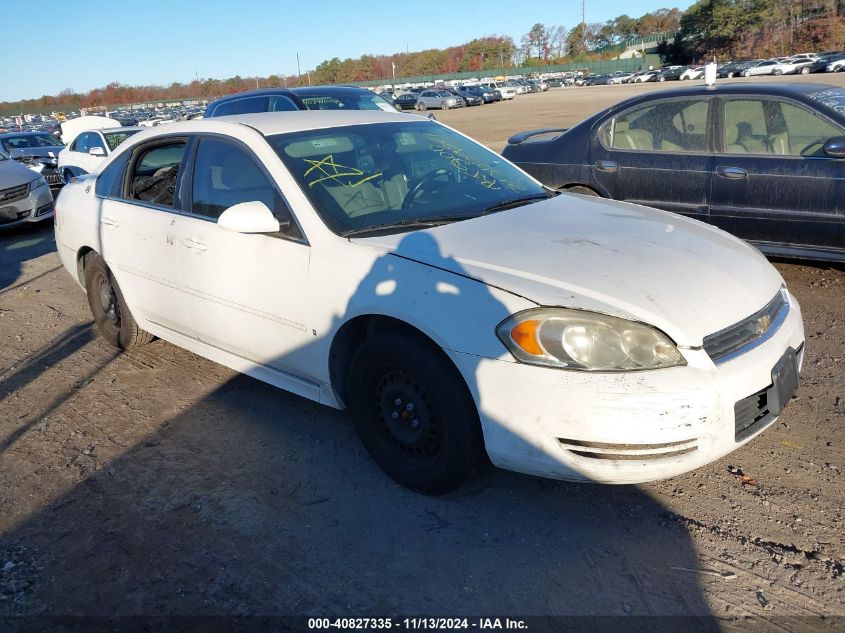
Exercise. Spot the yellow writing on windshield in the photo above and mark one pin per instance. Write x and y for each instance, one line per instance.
(327, 169)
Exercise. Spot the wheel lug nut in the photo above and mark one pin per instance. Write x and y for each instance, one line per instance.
(415, 423)
(410, 407)
(397, 402)
(394, 415)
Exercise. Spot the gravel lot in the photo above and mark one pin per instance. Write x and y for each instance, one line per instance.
(159, 483)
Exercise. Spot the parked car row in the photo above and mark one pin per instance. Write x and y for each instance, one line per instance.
(464, 95)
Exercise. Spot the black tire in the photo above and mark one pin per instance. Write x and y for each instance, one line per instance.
(777, 72)
(111, 315)
(746, 74)
(421, 106)
(730, 75)
(584, 191)
(805, 70)
(431, 440)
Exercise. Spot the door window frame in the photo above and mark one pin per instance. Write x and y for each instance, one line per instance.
(709, 133)
(720, 113)
(141, 149)
(186, 182)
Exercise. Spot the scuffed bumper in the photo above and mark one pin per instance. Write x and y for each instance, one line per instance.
(620, 428)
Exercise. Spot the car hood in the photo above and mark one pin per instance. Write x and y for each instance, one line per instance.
(677, 274)
(40, 152)
(13, 174)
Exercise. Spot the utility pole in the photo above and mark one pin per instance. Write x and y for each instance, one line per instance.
(584, 22)
(298, 71)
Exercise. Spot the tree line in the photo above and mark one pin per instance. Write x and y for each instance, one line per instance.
(747, 29)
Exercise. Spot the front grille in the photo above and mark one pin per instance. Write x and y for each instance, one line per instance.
(748, 333)
(628, 452)
(13, 194)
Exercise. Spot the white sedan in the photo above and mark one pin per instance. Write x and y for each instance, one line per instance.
(389, 264)
(88, 149)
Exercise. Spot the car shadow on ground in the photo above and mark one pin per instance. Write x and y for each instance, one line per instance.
(21, 244)
(253, 501)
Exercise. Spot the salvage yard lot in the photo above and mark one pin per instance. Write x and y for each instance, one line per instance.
(156, 482)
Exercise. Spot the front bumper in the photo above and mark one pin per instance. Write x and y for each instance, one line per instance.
(36, 206)
(626, 427)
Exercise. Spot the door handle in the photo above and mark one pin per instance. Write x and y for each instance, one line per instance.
(107, 221)
(194, 244)
(732, 173)
(607, 165)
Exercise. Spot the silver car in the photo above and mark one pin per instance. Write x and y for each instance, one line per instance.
(24, 194)
(438, 99)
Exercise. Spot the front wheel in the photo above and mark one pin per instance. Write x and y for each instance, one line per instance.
(805, 70)
(414, 414)
(112, 317)
(777, 72)
(421, 106)
(730, 75)
(746, 74)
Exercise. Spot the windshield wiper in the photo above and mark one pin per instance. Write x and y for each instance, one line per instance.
(405, 224)
(517, 202)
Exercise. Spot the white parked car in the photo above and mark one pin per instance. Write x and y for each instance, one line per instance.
(389, 264)
(507, 91)
(765, 67)
(438, 99)
(89, 148)
(693, 73)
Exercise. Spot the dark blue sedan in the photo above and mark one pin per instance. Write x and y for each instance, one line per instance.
(762, 161)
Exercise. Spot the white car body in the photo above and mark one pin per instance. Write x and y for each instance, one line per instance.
(793, 66)
(693, 73)
(73, 127)
(766, 67)
(205, 288)
(835, 67)
(508, 92)
(74, 162)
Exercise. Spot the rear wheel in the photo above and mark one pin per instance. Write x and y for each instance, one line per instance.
(112, 317)
(746, 74)
(730, 75)
(414, 413)
(805, 70)
(421, 106)
(777, 72)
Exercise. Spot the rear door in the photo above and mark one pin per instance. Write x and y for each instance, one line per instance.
(658, 154)
(138, 232)
(773, 184)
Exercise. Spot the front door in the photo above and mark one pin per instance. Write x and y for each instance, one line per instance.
(658, 154)
(773, 184)
(247, 293)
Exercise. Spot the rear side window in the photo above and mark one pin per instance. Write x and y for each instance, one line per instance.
(252, 104)
(224, 109)
(110, 180)
(154, 176)
(668, 126)
(280, 103)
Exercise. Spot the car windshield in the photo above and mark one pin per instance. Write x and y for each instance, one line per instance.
(388, 177)
(28, 141)
(116, 138)
(832, 98)
(353, 101)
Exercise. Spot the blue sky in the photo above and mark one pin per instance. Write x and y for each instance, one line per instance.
(92, 43)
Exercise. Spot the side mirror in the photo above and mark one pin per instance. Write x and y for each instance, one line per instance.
(97, 151)
(835, 147)
(249, 217)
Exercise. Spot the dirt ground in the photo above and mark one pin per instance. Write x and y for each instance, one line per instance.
(159, 483)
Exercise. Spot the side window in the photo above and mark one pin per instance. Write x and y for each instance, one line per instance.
(81, 144)
(746, 129)
(252, 104)
(96, 141)
(110, 180)
(279, 103)
(154, 176)
(225, 175)
(806, 132)
(224, 109)
(668, 126)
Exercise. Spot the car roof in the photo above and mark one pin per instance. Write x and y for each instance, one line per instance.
(27, 133)
(744, 88)
(270, 123)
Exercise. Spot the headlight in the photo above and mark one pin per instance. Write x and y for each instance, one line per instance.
(38, 182)
(586, 341)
